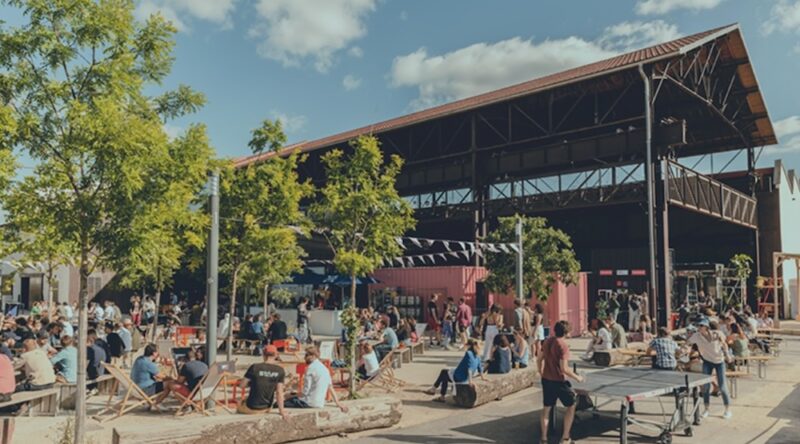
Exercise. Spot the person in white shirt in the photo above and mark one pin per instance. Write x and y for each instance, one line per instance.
(66, 327)
(317, 385)
(98, 312)
(601, 341)
(368, 365)
(109, 313)
(713, 350)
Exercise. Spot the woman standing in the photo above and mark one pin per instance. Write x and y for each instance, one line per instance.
(538, 328)
(494, 322)
(136, 310)
(713, 349)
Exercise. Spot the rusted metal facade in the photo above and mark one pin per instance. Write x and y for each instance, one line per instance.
(573, 146)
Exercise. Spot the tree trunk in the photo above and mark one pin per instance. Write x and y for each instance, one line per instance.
(266, 303)
(232, 311)
(83, 320)
(352, 343)
(159, 286)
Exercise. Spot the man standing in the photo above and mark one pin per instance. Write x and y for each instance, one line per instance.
(463, 321)
(124, 332)
(434, 321)
(553, 364)
(267, 383)
(634, 311)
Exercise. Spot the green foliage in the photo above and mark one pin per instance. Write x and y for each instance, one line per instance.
(359, 210)
(73, 76)
(269, 135)
(547, 257)
(742, 263)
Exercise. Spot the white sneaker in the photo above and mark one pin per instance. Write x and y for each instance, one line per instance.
(704, 414)
(727, 414)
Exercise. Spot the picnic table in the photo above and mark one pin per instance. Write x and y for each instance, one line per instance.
(760, 359)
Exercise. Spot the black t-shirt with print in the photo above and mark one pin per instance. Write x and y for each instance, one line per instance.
(264, 379)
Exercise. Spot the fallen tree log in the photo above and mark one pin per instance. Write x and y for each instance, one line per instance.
(269, 428)
(496, 386)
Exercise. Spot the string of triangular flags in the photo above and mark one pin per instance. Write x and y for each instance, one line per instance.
(464, 245)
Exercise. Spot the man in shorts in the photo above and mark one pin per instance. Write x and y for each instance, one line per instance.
(553, 365)
(192, 372)
(434, 322)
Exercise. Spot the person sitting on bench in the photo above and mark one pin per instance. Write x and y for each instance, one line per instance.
(500, 362)
(145, 372)
(277, 329)
(388, 342)
(38, 370)
(663, 350)
(601, 341)
(66, 361)
(267, 385)
(520, 352)
(316, 384)
(470, 364)
(192, 372)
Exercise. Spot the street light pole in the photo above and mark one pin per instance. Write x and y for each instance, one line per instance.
(212, 270)
(520, 291)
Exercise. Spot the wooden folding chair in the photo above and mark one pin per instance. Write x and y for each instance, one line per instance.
(205, 390)
(384, 378)
(132, 396)
(164, 348)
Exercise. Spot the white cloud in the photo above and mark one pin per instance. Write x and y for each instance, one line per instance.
(628, 36)
(453, 75)
(291, 123)
(788, 132)
(784, 16)
(655, 7)
(351, 82)
(294, 31)
(216, 11)
(356, 52)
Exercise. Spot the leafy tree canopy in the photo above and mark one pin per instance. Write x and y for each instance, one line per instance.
(547, 257)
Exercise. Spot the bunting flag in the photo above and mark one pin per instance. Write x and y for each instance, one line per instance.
(400, 242)
(454, 254)
(503, 247)
(463, 247)
(441, 255)
(399, 260)
(514, 247)
(446, 245)
(429, 242)
(415, 241)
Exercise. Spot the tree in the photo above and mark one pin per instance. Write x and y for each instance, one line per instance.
(548, 257)
(360, 214)
(171, 226)
(269, 135)
(259, 204)
(42, 248)
(72, 81)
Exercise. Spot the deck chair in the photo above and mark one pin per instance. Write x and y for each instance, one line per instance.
(384, 378)
(206, 389)
(132, 395)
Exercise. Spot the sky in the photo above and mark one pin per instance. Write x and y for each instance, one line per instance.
(325, 66)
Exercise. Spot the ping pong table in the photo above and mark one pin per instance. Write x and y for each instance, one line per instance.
(628, 385)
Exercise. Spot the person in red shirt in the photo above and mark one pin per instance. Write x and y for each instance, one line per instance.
(553, 365)
(463, 321)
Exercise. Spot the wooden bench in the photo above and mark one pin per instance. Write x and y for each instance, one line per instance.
(417, 348)
(245, 346)
(760, 359)
(41, 402)
(495, 387)
(67, 391)
(362, 414)
(405, 353)
(733, 381)
(616, 356)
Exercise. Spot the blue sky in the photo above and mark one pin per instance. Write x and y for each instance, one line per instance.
(325, 66)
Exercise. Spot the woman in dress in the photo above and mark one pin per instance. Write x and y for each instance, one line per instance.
(538, 328)
(494, 322)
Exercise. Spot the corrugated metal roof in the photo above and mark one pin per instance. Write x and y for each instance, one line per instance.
(617, 63)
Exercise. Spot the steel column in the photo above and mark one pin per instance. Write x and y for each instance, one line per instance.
(212, 271)
(648, 112)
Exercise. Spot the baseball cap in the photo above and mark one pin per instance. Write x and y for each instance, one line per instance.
(270, 350)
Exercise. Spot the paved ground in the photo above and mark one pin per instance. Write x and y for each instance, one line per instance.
(766, 411)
